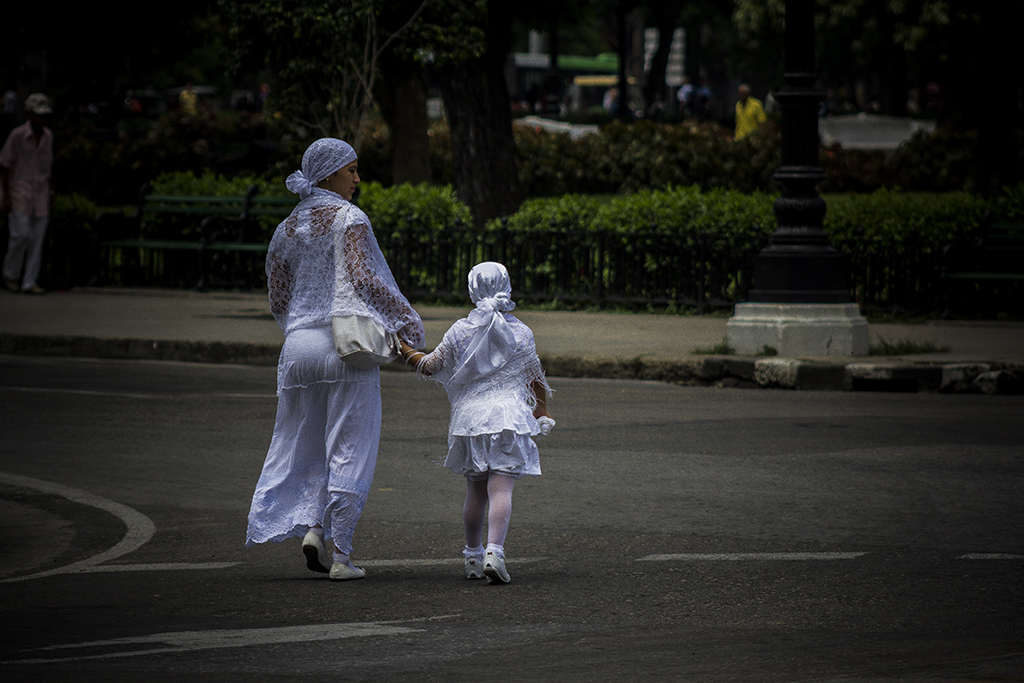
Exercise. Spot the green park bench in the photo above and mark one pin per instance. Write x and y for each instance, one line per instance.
(222, 225)
(986, 273)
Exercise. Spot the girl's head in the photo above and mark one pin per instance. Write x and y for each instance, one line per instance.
(493, 341)
(489, 285)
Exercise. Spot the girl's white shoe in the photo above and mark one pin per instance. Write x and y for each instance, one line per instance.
(473, 568)
(494, 569)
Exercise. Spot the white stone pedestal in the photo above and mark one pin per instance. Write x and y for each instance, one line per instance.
(795, 330)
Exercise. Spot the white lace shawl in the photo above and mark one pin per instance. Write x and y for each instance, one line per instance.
(503, 398)
(324, 261)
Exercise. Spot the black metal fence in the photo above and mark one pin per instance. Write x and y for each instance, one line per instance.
(601, 268)
(575, 266)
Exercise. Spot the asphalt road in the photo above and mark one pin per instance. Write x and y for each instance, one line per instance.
(678, 533)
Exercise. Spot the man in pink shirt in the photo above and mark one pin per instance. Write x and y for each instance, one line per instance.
(26, 161)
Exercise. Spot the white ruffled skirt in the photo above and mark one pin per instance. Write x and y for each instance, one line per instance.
(505, 452)
(320, 464)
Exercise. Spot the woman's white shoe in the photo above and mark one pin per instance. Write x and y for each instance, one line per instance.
(316, 554)
(343, 572)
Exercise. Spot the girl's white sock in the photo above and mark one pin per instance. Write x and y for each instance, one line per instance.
(496, 549)
(477, 552)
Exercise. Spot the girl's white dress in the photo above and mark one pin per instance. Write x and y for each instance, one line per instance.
(492, 418)
(323, 261)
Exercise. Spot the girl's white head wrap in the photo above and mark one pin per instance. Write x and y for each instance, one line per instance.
(322, 158)
(493, 342)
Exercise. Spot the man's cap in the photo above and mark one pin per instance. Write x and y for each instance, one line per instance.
(37, 103)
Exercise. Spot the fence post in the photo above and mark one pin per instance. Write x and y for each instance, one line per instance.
(407, 256)
(702, 270)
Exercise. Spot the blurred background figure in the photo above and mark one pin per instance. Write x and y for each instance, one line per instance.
(189, 100)
(749, 113)
(26, 162)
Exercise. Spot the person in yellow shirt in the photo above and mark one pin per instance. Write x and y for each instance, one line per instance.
(749, 113)
(188, 99)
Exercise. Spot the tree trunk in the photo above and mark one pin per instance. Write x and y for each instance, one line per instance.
(666, 19)
(476, 103)
(893, 71)
(402, 97)
(998, 79)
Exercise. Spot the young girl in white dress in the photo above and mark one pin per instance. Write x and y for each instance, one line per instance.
(488, 365)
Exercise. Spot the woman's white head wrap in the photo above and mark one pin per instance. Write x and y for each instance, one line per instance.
(322, 158)
(493, 342)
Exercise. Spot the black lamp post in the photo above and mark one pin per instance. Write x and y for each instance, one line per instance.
(799, 265)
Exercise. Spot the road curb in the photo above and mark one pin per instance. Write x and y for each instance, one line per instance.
(140, 349)
(719, 371)
(807, 375)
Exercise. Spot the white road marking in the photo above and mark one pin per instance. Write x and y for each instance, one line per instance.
(85, 392)
(991, 556)
(128, 394)
(159, 567)
(191, 641)
(140, 527)
(737, 557)
(435, 563)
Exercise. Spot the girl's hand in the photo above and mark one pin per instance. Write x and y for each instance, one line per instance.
(540, 395)
(546, 425)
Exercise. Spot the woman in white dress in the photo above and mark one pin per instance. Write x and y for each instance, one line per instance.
(323, 262)
(488, 365)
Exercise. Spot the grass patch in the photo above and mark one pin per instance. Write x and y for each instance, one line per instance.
(904, 347)
(722, 349)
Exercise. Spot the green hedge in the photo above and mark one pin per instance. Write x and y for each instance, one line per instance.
(722, 212)
(626, 158)
(619, 159)
(883, 214)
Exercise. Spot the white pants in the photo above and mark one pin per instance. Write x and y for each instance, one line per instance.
(25, 247)
(320, 464)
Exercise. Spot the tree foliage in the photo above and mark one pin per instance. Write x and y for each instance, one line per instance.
(325, 56)
(83, 56)
(858, 36)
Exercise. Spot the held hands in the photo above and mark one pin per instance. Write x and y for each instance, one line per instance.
(410, 355)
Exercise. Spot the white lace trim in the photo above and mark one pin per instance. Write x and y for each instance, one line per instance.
(324, 261)
(501, 400)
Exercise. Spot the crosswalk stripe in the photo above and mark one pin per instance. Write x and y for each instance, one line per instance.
(190, 641)
(159, 567)
(737, 557)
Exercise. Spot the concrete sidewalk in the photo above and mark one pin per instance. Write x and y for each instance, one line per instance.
(986, 357)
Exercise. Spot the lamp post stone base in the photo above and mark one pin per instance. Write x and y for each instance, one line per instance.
(798, 330)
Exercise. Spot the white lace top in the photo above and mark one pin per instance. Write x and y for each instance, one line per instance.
(501, 400)
(324, 261)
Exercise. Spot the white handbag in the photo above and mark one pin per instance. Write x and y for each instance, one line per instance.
(362, 342)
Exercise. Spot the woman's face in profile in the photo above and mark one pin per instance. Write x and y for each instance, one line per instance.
(343, 181)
